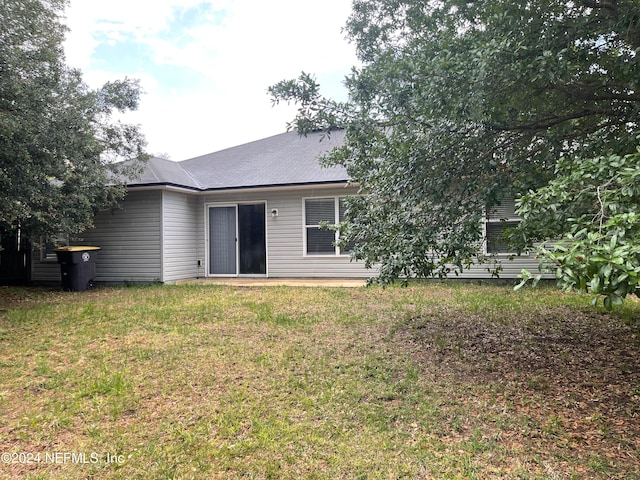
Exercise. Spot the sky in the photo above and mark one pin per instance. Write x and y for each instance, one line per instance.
(205, 65)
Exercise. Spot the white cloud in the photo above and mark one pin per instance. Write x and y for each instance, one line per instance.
(235, 58)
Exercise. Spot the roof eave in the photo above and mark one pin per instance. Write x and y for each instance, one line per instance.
(280, 186)
(162, 186)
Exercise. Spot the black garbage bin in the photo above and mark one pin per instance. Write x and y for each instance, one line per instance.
(77, 266)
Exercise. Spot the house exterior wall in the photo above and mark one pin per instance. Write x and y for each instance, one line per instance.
(44, 271)
(161, 235)
(511, 264)
(130, 238)
(511, 267)
(285, 246)
(181, 215)
(285, 232)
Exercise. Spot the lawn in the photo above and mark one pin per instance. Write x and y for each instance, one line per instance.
(448, 380)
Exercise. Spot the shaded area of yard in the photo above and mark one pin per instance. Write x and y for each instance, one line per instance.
(430, 381)
(564, 386)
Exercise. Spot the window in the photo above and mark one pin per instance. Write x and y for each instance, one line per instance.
(318, 211)
(498, 219)
(49, 244)
(495, 231)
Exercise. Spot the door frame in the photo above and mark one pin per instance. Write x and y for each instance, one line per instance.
(207, 232)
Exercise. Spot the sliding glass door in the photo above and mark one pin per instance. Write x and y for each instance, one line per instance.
(222, 241)
(237, 240)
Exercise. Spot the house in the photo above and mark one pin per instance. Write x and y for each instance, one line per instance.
(251, 210)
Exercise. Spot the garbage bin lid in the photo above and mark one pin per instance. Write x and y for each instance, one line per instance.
(76, 248)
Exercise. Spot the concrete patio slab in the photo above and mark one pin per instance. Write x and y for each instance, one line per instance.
(271, 282)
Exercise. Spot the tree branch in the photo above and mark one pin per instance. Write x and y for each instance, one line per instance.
(544, 123)
(595, 4)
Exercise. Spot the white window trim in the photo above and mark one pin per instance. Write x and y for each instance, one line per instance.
(305, 227)
(207, 231)
(487, 221)
(52, 257)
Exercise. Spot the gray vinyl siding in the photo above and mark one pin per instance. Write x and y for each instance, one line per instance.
(47, 271)
(130, 239)
(285, 246)
(506, 210)
(512, 265)
(159, 235)
(181, 235)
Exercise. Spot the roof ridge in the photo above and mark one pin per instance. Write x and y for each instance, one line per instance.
(195, 180)
(234, 147)
(282, 159)
(153, 172)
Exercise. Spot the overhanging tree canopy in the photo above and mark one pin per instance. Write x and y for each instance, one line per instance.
(59, 144)
(459, 104)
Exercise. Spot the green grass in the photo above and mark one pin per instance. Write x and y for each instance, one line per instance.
(435, 380)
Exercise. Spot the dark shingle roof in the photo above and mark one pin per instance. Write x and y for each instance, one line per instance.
(285, 159)
(163, 172)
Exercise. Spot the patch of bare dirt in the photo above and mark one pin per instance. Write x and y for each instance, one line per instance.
(568, 383)
(14, 297)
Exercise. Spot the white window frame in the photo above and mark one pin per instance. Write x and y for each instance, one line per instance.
(336, 212)
(499, 221)
(487, 221)
(207, 232)
(58, 240)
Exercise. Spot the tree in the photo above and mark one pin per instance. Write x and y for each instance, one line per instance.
(459, 104)
(60, 148)
(592, 209)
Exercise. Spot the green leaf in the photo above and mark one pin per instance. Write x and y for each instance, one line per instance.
(56, 134)
(444, 123)
(613, 242)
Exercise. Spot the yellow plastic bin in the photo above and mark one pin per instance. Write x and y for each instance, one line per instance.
(78, 267)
